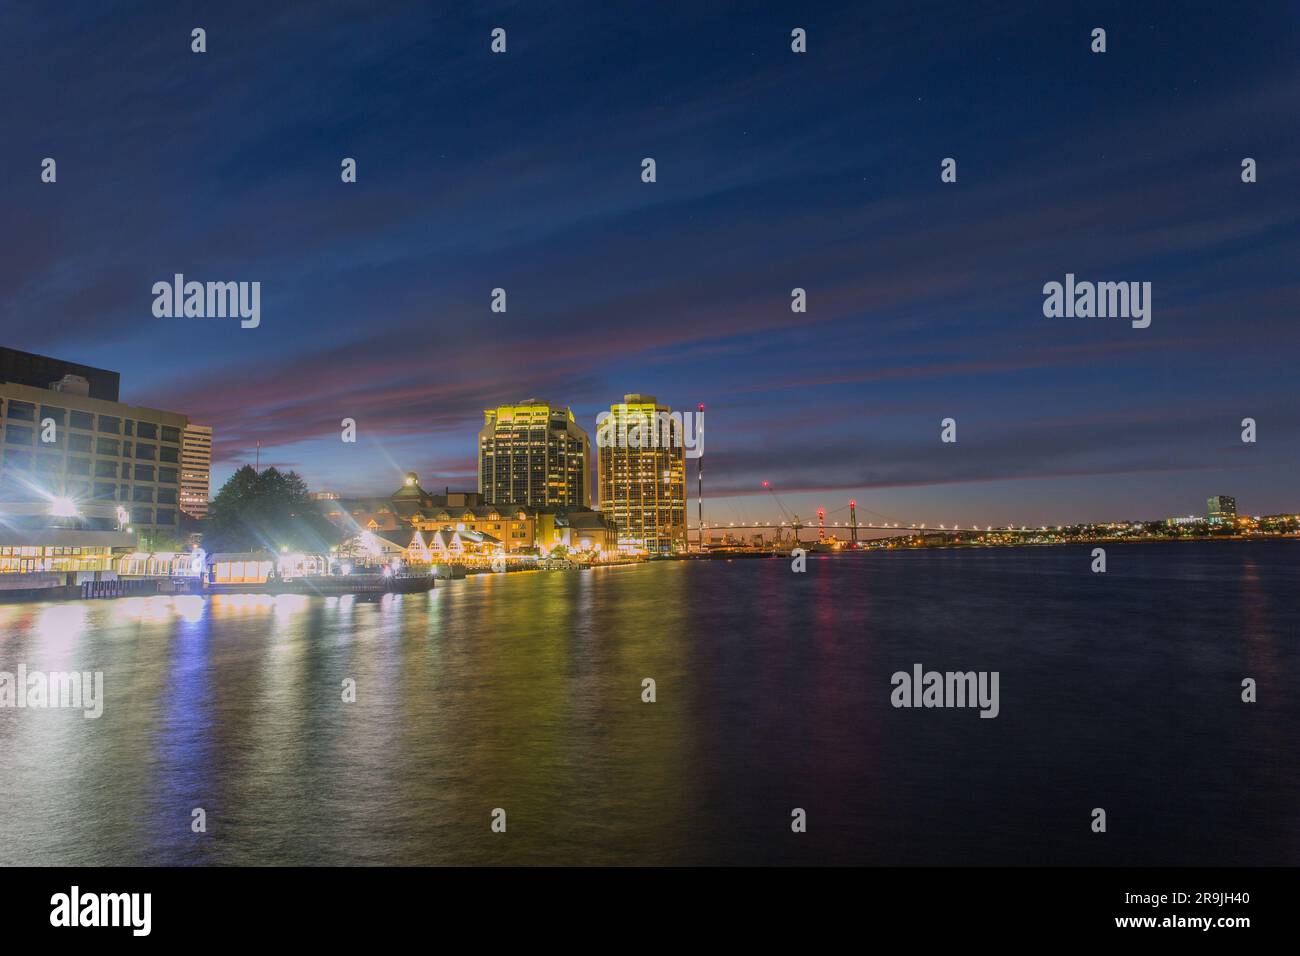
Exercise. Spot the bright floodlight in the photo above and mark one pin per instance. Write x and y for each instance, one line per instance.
(63, 508)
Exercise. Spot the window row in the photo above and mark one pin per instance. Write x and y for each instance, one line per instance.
(27, 412)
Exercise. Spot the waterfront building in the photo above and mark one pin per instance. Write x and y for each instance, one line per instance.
(196, 469)
(1221, 509)
(533, 454)
(517, 528)
(41, 537)
(239, 567)
(230, 568)
(66, 446)
(457, 547)
(643, 483)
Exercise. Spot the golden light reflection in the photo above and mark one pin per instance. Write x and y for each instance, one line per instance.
(190, 608)
(61, 625)
(241, 604)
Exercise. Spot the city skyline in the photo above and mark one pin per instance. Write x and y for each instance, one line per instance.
(924, 298)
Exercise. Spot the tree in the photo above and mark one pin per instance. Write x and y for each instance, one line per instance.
(268, 509)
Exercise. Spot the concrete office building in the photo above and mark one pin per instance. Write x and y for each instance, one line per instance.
(68, 449)
(196, 469)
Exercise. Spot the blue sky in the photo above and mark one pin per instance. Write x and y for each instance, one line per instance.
(775, 170)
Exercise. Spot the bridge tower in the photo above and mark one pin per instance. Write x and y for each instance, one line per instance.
(821, 524)
(853, 523)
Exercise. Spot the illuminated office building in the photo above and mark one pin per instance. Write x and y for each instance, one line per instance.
(643, 481)
(533, 454)
(1221, 509)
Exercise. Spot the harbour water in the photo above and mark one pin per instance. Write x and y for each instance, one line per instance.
(524, 692)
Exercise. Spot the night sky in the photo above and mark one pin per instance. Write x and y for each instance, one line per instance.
(775, 170)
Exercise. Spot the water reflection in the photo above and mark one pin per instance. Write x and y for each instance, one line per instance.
(523, 691)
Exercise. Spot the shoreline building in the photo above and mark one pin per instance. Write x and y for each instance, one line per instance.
(38, 538)
(196, 470)
(533, 454)
(66, 449)
(516, 528)
(1221, 509)
(642, 479)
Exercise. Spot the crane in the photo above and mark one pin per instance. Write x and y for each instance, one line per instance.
(793, 519)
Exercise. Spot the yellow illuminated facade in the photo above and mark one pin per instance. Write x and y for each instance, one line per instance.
(31, 559)
(533, 454)
(643, 482)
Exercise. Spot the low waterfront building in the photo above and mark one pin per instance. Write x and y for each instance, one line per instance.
(156, 564)
(54, 536)
(518, 529)
(256, 567)
(239, 567)
(464, 547)
(583, 530)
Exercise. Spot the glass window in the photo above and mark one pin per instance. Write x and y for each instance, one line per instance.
(18, 434)
(79, 466)
(126, 469)
(171, 434)
(49, 464)
(146, 430)
(22, 411)
(142, 493)
(144, 472)
(58, 414)
(82, 420)
(79, 443)
(168, 453)
(105, 469)
(166, 496)
(128, 427)
(165, 516)
(110, 423)
(105, 490)
(167, 475)
(142, 516)
(21, 460)
(107, 446)
(146, 452)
